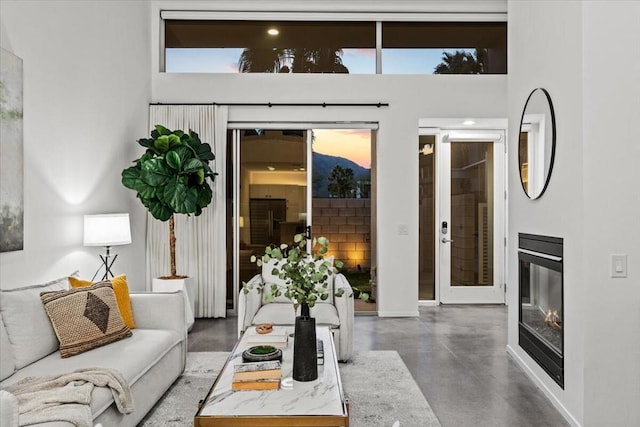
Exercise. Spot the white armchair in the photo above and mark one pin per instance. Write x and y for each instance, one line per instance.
(336, 312)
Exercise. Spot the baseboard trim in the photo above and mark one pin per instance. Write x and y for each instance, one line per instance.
(398, 313)
(428, 303)
(542, 386)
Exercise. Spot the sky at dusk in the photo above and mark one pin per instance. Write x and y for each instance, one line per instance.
(352, 144)
(357, 61)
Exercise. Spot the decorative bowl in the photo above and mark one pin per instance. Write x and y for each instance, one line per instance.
(261, 353)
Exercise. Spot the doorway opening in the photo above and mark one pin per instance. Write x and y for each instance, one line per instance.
(461, 216)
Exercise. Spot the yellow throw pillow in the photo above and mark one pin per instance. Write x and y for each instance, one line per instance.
(121, 289)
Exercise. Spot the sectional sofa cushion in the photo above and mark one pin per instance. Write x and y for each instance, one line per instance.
(121, 289)
(7, 365)
(283, 314)
(85, 318)
(28, 328)
(146, 349)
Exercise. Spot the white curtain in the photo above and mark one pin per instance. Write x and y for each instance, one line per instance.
(200, 241)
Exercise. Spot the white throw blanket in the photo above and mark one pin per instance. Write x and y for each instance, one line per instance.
(67, 397)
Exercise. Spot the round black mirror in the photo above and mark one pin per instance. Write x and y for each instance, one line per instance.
(536, 143)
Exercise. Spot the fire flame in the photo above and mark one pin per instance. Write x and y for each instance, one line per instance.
(552, 318)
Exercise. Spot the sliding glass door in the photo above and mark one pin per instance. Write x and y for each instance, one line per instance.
(283, 185)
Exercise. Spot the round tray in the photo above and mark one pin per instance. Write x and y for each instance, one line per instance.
(249, 356)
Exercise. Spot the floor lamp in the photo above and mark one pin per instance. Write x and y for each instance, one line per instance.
(107, 230)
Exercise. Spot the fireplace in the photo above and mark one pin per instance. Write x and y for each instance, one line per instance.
(541, 311)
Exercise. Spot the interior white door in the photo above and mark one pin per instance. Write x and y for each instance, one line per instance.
(470, 226)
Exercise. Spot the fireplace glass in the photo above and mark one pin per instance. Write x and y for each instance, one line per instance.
(541, 321)
(542, 303)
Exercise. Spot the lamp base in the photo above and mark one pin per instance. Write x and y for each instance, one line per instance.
(106, 264)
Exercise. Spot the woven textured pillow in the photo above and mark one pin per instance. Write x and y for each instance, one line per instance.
(121, 289)
(84, 318)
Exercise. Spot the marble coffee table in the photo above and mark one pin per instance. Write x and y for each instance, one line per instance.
(316, 403)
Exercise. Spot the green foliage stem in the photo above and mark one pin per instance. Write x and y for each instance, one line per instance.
(305, 274)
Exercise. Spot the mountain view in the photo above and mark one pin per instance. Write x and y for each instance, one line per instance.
(323, 164)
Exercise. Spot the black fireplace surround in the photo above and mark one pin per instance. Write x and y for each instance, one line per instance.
(541, 302)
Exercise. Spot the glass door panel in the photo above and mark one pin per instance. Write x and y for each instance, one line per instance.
(283, 186)
(471, 214)
(272, 193)
(471, 219)
(426, 218)
(341, 204)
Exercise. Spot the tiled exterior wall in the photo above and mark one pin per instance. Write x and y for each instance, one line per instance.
(347, 225)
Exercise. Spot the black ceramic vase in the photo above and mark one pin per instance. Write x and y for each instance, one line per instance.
(305, 362)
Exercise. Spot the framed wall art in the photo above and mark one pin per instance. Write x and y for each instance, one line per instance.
(11, 154)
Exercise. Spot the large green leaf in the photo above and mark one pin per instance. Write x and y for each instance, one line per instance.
(208, 171)
(184, 152)
(206, 195)
(162, 130)
(174, 140)
(162, 143)
(145, 191)
(130, 176)
(173, 160)
(200, 176)
(160, 211)
(145, 142)
(180, 197)
(192, 165)
(155, 172)
(204, 152)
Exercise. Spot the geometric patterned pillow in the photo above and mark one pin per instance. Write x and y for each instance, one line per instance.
(84, 318)
(121, 289)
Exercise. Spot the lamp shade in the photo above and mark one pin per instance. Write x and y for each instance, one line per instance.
(107, 230)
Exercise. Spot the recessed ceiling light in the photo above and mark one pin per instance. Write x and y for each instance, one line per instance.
(271, 168)
(468, 122)
(273, 31)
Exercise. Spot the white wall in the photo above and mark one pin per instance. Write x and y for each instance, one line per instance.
(592, 200)
(545, 50)
(611, 108)
(86, 88)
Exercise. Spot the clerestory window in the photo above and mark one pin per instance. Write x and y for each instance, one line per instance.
(354, 47)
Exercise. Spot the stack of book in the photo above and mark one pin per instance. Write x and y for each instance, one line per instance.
(320, 351)
(257, 376)
(276, 338)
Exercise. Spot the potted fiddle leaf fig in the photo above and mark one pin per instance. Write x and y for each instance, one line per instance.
(172, 177)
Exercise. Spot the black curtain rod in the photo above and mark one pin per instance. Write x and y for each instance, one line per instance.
(281, 104)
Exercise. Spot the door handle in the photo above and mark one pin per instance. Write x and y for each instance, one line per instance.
(445, 240)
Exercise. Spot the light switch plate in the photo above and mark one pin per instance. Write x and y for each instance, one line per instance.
(619, 265)
(403, 229)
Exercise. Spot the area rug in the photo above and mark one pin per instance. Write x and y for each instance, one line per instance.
(379, 386)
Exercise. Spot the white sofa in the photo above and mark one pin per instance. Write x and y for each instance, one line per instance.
(150, 360)
(336, 312)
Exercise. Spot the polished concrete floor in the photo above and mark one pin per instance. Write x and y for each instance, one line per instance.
(456, 354)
